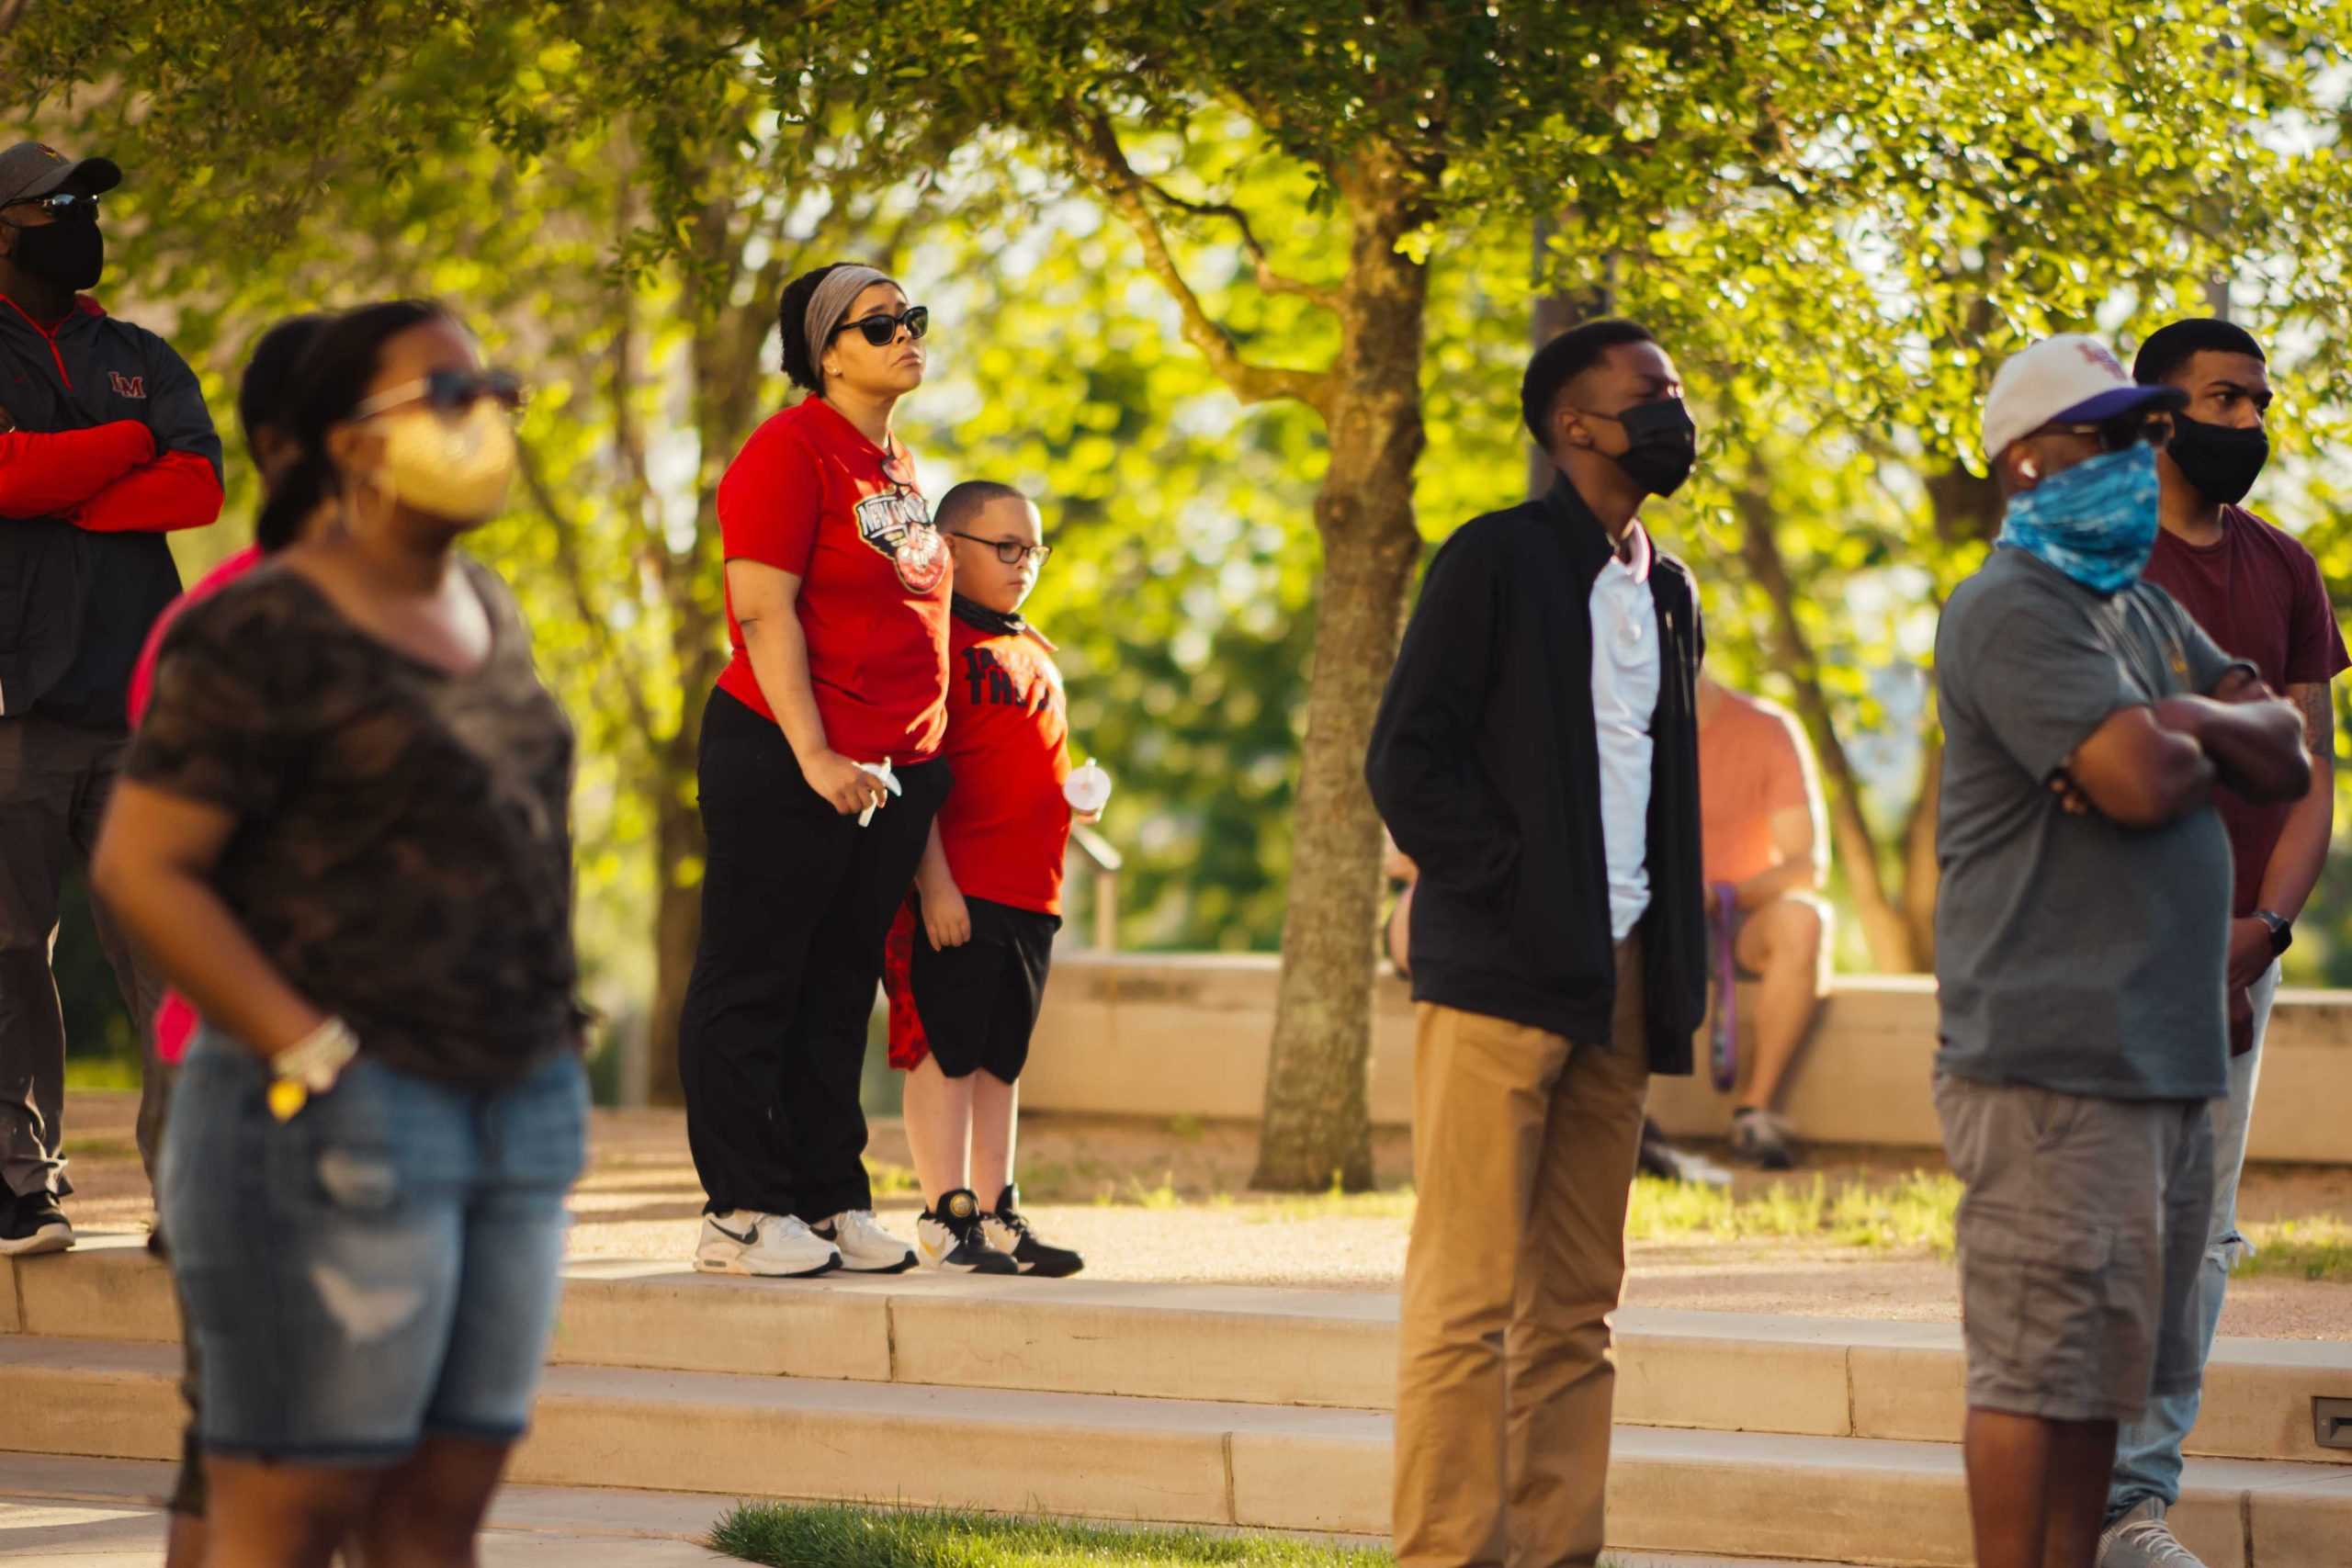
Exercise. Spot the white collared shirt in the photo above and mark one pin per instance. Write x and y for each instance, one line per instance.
(1624, 699)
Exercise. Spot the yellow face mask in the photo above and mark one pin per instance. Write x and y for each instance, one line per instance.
(458, 469)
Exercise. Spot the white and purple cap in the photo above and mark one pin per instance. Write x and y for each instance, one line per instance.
(2067, 379)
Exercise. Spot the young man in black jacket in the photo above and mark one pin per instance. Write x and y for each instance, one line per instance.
(1537, 753)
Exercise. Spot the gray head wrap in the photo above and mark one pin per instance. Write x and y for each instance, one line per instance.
(828, 305)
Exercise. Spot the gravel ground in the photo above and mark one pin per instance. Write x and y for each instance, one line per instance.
(1169, 1203)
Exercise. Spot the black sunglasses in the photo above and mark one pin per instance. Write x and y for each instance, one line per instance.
(61, 204)
(2123, 433)
(1011, 552)
(449, 392)
(880, 330)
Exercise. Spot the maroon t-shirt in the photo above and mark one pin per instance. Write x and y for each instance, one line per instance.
(2258, 594)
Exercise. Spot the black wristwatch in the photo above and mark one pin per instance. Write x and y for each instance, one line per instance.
(2282, 930)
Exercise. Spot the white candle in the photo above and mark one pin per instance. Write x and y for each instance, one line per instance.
(1088, 789)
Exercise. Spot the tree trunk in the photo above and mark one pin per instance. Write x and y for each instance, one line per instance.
(723, 360)
(1921, 875)
(677, 909)
(1317, 1125)
(1885, 927)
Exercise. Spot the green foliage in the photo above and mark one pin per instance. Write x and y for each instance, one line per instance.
(1182, 586)
(2319, 1248)
(1840, 215)
(1916, 1212)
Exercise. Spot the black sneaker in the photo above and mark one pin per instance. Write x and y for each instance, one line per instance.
(1010, 1233)
(33, 1223)
(948, 1238)
(1661, 1158)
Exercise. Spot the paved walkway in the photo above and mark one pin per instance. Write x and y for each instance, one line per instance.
(80, 1513)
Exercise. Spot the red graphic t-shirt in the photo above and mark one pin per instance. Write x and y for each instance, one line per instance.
(1005, 826)
(808, 494)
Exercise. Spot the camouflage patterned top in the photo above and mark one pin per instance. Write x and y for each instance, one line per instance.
(403, 847)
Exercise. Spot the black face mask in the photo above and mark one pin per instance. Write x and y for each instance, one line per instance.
(1663, 443)
(71, 253)
(2219, 461)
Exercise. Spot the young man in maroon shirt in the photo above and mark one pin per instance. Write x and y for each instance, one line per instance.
(105, 446)
(2257, 593)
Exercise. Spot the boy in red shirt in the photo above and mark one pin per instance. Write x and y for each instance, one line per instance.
(966, 977)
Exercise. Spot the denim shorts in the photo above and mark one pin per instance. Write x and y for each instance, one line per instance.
(382, 1267)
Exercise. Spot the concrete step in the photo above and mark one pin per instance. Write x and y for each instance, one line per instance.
(523, 1520)
(1733, 1371)
(1181, 1461)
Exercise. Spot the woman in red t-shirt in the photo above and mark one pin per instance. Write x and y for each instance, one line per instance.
(820, 777)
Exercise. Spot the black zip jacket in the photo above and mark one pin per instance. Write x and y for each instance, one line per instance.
(1485, 767)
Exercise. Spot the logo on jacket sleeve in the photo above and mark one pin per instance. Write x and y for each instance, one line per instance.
(126, 385)
(897, 525)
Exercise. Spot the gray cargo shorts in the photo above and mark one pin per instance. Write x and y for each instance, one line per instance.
(2081, 1237)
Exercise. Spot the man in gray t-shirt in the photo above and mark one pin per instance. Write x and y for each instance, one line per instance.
(2081, 945)
(2075, 952)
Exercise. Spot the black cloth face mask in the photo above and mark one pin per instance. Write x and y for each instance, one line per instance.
(1662, 445)
(70, 252)
(2219, 461)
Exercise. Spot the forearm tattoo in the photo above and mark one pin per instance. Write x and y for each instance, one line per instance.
(2317, 701)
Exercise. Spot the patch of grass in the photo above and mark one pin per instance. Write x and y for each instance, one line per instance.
(1080, 1179)
(1396, 1203)
(834, 1536)
(1134, 1194)
(1187, 1129)
(2316, 1248)
(1915, 1214)
(86, 1073)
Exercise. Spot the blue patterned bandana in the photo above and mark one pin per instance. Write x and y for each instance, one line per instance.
(2097, 522)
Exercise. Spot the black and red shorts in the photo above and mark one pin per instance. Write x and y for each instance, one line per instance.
(974, 1006)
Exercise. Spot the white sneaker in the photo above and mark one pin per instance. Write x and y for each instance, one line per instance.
(866, 1246)
(744, 1241)
(2140, 1539)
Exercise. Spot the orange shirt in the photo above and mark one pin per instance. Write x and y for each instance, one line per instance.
(1753, 761)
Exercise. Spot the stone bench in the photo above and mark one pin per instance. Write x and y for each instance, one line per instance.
(1185, 1034)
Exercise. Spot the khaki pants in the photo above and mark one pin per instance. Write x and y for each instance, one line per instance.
(1523, 1151)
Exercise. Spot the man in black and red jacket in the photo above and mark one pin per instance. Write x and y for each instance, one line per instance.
(1537, 755)
(105, 446)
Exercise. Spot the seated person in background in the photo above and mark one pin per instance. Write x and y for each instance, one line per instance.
(1761, 826)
